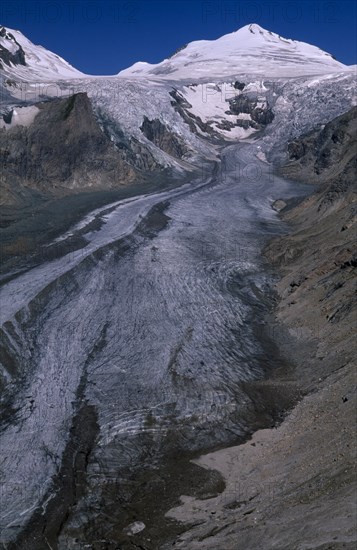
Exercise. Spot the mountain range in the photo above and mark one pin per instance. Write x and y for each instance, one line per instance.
(249, 50)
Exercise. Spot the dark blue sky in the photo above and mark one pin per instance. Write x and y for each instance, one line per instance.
(103, 37)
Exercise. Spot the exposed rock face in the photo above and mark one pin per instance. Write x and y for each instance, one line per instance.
(250, 111)
(325, 155)
(239, 85)
(246, 104)
(319, 259)
(181, 105)
(8, 56)
(131, 150)
(63, 149)
(296, 149)
(157, 132)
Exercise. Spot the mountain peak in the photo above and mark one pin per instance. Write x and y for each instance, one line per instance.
(250, 50)
(253, 28)
(20, 58)
(253, 31)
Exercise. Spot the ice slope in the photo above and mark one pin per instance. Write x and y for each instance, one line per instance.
(40, 63)
(298, 104)
(251, 49)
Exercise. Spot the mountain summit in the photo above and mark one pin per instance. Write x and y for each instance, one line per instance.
(20, 58)
(249, 50)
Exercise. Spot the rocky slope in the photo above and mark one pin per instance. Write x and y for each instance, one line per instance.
(294, 486)
(325, 156)
(320, 256)
(161, 136)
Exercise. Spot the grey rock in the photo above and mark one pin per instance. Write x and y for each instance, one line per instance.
(62, 150)
(278, 205)
(9, 57)
(134, 528)
(161, 136)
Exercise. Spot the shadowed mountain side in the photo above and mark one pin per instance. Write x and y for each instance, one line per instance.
(325, 156)
(64, 149)
(157, 133)
(319, 257)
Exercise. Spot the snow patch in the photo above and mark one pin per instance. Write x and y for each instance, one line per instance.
(21, 116)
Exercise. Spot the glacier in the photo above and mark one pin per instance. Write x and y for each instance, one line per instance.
(156, 329)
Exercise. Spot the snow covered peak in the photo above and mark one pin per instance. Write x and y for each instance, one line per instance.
(251, 29)
(250, 50)
(254, 28)
(20, 58)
